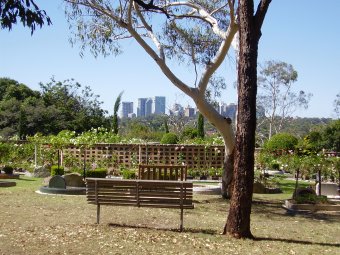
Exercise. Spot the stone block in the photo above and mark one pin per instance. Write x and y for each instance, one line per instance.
(259, 188)
(328, 189)
(58, 182)
(42, 171)
(74, 180)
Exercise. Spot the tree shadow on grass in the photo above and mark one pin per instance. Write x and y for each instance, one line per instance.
(285, 240)
(329, 217)
(185, 230)
(26, 180)
(275, 208)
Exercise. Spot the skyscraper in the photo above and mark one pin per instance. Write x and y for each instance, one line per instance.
(189, 111)
(141, 107)
(127, 108)
(158, 106)
(228, 110)
(148, 107)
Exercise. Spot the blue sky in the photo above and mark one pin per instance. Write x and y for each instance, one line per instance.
(303, 33)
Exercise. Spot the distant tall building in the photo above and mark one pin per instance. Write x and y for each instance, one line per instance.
(148, 107)
(158, 106)
(223, 108)
(228, 110)
(132, 115)
(127, 108)
(189, 111)
(141, 108)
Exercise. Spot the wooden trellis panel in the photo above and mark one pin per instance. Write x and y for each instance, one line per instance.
(128, 155)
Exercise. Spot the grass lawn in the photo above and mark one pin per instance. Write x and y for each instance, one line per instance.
(31, 223)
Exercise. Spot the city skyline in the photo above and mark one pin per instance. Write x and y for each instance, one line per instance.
(156, 105)
(145, 107)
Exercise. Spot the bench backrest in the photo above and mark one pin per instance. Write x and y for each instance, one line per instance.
(162, 172)
(141, 193)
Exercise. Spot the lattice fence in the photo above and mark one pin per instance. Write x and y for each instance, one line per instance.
(130, 155)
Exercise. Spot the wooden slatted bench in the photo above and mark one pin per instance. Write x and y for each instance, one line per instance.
(140, 193)
(162, 172)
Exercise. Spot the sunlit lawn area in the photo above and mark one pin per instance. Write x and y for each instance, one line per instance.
(31, 223)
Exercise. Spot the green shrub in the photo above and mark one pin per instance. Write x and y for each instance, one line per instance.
(275, 166)
(193, 172)
(189, 133)
(282, 141)
(128, 174)
(311, 199)
(96, 173)
(55, 170)
(215, 171)
(200, 126)
(8, 169)
(169, 138)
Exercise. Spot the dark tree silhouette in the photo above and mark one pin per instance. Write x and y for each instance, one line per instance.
(26, 11)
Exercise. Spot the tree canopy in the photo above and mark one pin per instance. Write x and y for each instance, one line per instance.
(58, 106)
(26, 11)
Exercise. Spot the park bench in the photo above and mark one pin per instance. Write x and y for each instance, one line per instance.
(162, 172)
(140, 193)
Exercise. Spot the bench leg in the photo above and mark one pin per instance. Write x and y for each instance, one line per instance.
(181, 226)
(98, 213)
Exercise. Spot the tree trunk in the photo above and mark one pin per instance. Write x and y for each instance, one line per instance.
(238, 222)
(227, 175)
(224, 127)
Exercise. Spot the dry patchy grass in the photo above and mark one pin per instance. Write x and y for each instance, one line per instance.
(31, 223)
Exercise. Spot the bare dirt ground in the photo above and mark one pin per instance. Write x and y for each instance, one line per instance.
(31, 223)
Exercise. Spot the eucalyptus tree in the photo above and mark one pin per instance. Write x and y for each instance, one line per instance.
(26, 10)
(198, 33)
(250, 24)
(277, 96)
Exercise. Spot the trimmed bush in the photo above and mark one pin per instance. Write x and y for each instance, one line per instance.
(282, 141)
(8, 169)
(96, 173)
(169, 138)
(55, 170)
(129, 174)
(189, 133)
(311, 199)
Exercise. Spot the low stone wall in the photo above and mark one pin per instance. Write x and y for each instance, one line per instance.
(291, 205)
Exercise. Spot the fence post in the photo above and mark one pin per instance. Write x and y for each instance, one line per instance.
(35, 155)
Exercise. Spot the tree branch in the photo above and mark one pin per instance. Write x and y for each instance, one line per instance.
(150, 6)
(260, 15)
(204, 15)
(221, 53)
(150, 32)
